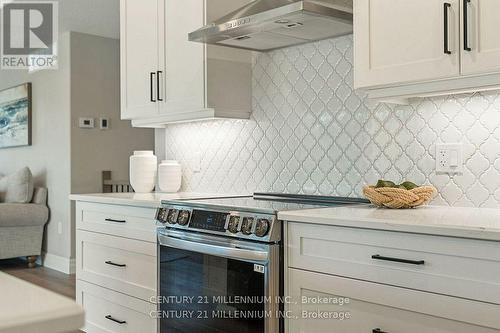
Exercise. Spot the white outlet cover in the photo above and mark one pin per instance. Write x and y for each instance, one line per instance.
(449, 158)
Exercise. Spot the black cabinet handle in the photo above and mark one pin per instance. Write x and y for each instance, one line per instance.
(158, 81)
(404, 261)
(110, 317)
(114, 264)
(378, 330)
(152, 86)
(116, 221)
(466, 25)
(446, 7)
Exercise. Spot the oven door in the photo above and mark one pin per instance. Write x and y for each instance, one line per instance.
(212, 284)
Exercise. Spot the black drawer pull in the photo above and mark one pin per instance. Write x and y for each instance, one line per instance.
(466, 25)
(158, 85)
(117, 221)
(378, 330)
(152, 85)
(446, 7)
(404, 261)
(114, 264)
(110, 317)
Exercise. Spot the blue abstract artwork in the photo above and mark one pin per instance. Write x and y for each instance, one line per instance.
(15, 116)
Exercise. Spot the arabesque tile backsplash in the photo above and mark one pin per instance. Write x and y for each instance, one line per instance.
(310, 132)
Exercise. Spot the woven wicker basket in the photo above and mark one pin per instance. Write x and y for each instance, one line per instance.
(399, 198)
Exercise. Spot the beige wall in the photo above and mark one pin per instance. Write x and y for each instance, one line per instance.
(95, 92)
(48, 157)
(63, 157)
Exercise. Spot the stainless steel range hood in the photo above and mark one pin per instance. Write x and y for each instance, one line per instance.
(265, 25)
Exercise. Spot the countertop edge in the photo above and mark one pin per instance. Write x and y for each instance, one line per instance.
(480, 233)
(115, 201)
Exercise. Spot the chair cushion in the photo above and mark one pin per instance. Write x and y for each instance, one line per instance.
(23, 215)
(17, 187)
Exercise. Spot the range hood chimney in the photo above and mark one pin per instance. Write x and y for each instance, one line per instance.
(265, 25)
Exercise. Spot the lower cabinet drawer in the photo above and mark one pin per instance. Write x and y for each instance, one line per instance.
(125, 265)
(326, 303)
(124, 221)
(464, 268)
(111, 312)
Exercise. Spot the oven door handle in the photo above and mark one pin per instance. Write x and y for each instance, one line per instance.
(214, 248)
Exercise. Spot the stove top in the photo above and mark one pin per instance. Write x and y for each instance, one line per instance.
(251, 217)
(267, 203)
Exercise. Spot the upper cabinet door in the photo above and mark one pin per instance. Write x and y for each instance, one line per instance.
(139, 58)
(182, 63)
(481, 38)
(400, 41)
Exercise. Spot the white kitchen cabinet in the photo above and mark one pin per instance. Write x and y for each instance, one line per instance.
(139, 57)
(393, 281)
(466, 268)
(107, 311)
(186, 81)
(117, 220)
(126, 265)
(481, 42)
(355, 306)
(404, 49)
(402, 41)
(182, 61)
(116, 266)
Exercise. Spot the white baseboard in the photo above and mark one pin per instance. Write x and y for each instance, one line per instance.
(58, 263)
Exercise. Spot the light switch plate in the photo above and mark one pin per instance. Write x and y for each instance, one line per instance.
(449, 158)
(104, 123)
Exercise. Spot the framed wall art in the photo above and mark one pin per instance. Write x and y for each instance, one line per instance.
(15, 116)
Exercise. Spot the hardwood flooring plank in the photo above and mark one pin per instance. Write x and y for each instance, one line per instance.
(55, 281)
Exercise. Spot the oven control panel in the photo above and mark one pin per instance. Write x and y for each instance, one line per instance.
(235, 224)
(207, 220)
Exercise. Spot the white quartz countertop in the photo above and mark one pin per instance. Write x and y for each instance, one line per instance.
(478, 223)
(143, 199)
(26, 308)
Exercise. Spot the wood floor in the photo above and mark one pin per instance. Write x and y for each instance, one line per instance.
(44, 277)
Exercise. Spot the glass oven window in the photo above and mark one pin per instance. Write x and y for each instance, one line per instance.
(207, 294)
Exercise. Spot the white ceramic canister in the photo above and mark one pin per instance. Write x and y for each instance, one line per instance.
(170, 176)
(143, 171)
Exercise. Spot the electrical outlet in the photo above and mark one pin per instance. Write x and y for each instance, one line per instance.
(59, 228)
(449, 158)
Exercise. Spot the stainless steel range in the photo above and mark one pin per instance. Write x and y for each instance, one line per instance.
(220, 262)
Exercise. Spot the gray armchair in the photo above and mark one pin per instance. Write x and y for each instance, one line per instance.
(21, 227)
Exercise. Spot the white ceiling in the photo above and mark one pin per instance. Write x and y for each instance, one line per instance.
(96, 17)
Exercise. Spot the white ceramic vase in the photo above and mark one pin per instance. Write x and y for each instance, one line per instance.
(143, 171)
(169, 176)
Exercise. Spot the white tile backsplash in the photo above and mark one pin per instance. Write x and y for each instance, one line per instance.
(310, 132)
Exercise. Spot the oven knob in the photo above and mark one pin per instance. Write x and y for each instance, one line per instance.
(234, 222)
(161, 215)
(262, 227)
(183, 218)
(247, 225)
(172, 216)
